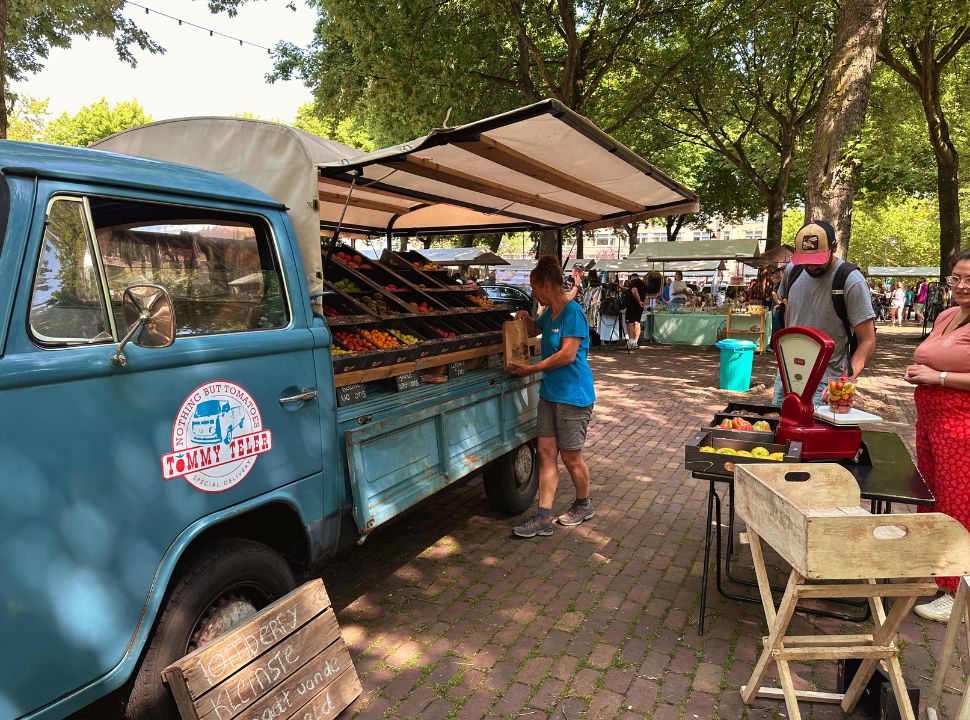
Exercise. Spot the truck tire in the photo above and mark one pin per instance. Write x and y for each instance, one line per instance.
(220, 586)
(512, 481)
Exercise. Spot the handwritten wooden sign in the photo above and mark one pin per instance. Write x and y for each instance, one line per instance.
(288, 661)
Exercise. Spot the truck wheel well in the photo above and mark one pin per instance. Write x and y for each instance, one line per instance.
(276, 525)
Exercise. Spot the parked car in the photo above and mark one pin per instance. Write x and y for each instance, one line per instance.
(518, 297)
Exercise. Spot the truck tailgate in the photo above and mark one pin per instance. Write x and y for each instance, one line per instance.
(397, 461)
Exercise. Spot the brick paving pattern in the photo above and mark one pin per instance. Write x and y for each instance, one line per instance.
(448, 616)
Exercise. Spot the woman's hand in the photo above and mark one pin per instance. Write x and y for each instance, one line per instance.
(921, 375)
(518, 368)
(522, 315)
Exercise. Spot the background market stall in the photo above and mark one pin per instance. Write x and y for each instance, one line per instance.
(702, 325)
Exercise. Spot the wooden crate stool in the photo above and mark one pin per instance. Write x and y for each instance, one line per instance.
(958, 616)
(809, 513)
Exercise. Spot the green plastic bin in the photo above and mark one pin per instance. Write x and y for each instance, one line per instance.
(737, 357)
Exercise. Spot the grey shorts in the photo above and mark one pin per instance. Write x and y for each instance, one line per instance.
(566, 423)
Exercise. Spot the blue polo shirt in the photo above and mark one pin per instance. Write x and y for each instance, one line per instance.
(571, 384)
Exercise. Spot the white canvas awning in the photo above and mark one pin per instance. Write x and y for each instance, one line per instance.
(538, 167)
(909, 271)
(667, 252)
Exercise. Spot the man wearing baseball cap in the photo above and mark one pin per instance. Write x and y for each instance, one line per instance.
(572, 285)
(826, 293)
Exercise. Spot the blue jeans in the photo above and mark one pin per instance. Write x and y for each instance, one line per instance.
(776, 398)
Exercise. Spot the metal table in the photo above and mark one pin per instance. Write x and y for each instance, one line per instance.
(885, 473)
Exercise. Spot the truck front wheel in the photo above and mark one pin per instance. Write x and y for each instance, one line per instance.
(511, 482)
(220, 586)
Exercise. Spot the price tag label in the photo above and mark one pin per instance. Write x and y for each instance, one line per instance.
(351, 394)
(456, 369)
(407, 381)
(495, 361)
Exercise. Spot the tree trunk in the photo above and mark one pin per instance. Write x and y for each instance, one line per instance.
(548, 244)
(947, 164)
(3, 69)
(580, 249)
(848, 76)
(948, 190)
(776, 213)
(494, 240)
(631, 233)
(674, 224)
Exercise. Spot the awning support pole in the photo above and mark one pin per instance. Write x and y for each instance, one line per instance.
(336, 232)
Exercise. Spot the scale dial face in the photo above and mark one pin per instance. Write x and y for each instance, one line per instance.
(798, 357)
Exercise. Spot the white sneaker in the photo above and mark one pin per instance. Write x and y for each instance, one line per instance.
(938, 610)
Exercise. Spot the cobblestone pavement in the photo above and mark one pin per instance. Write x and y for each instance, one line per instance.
(448, 616)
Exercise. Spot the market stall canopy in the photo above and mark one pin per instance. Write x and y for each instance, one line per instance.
(608, 266)
(910, 271)
(463, 256)
(666, 252)
(776, 257)
(535, 168)
(632, 264)
(539, 167)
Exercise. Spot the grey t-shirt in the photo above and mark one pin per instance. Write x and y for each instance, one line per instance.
(810, 305)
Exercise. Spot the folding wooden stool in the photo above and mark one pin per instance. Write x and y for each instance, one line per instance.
(958, 616)
(810, 514)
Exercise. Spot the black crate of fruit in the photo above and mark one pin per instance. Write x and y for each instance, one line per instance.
(713, 463)
(448, 344)
(429, 343)
(456, 299)
(751, 410)
(341, 309)
(720, 417)
(360, 288)
(348, 257)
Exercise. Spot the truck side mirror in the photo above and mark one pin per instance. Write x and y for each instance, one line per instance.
(149, 317)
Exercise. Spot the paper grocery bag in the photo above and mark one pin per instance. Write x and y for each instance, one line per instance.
(515, 337)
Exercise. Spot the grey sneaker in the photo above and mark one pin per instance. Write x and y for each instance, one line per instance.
(576, 513)
(535, 525)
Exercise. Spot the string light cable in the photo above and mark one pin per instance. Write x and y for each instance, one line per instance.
(212, 33)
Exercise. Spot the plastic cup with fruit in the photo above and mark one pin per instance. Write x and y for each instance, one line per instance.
(841, 395)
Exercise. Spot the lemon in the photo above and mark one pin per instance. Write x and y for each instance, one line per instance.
(777, 456)
(707, 449)
(760, 452)
(743, 453)
(726, 451)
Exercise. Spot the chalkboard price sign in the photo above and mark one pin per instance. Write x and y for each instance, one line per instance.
(350, 394)
(495, 361)
(407, 381)
(456, 369)
(288, 661)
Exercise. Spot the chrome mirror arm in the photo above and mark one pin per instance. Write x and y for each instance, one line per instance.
(119, 357)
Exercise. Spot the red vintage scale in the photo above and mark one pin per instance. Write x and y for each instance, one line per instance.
(803, 354)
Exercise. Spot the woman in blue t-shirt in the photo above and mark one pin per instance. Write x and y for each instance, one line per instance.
(566, 397)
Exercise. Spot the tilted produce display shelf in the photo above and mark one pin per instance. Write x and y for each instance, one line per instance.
(340, 275)
(428, 363)
(339, 308)
(437, 273)
(406, 269)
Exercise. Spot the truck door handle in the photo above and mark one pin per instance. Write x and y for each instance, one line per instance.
(301, 397)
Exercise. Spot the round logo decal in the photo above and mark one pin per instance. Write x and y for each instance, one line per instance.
(217, 435)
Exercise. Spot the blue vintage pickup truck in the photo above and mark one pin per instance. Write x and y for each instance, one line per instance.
(173, 455)
(153, 496)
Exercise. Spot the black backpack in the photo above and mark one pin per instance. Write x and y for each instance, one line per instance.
(611, 301)
(838, 299)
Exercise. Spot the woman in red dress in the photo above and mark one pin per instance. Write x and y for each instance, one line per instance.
(941, 372)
